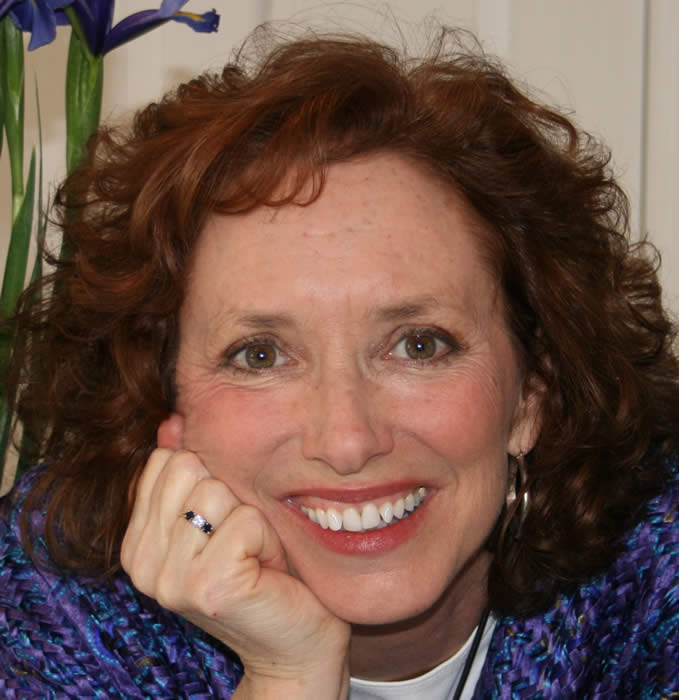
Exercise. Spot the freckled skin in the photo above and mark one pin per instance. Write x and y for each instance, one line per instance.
(344, 408)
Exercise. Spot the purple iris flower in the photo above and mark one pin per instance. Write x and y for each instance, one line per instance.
(96, 20)
(40, 17)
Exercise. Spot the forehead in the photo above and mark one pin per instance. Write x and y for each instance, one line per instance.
(382, 228)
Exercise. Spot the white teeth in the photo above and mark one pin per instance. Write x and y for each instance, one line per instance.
(322, 518)
(410, 503)
(370, 518)
(351, 520)
(334, 520)
(387, 512)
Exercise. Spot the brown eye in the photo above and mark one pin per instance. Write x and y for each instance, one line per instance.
(422, 346)
(256, 356)
(428, 346)
(260, 356)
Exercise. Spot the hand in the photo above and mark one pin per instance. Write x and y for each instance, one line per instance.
(234, 584)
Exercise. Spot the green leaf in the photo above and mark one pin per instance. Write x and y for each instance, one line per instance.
(12, 120)
(41, 210)
(84, 86)
(5, 425)
(17, 255)
(13, 97)
(3, 62)
(12, 286)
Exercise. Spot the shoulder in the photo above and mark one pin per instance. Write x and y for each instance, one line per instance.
(63, 636)
(614, 636)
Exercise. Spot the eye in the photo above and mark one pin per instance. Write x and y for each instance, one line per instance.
(257, 355)
(423, 345)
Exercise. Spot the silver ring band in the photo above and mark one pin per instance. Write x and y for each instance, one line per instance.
(198, 521)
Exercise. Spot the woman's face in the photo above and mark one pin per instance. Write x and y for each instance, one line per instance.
(347, 359)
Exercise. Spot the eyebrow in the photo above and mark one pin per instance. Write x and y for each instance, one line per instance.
(268, 321)
(402, 311)
(408, 309)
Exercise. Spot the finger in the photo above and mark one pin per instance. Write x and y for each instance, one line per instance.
(182, 472)
(258, 538)
(222, 573)
(167, 481)
(142, 500)
(244, 538)
(240, 576)
(171, 432)
(147, 481)
(214, 501)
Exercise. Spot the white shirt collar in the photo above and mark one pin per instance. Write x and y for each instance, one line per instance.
(438, 684)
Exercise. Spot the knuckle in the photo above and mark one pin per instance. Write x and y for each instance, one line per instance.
(165, 593)
(207, 594)
(196, 593)
(245, 515)
(152, 468)
(140, 578)
(160, 454)
(195, 589)
(186, 465)
(213, 489)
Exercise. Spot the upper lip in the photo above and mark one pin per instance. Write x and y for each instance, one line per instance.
(357, 495)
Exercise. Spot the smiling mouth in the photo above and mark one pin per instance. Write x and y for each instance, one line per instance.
(369, 516)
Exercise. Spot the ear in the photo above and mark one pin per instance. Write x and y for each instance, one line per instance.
(528, 417)
(171, 432)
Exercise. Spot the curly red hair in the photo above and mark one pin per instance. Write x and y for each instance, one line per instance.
(94, 361)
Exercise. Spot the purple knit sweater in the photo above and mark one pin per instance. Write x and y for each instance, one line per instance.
(614, 637)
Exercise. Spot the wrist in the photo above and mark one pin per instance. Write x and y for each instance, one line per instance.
(316, 670)
(328, 681)
(269, 688)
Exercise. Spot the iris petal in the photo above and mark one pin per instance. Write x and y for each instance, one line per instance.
(141, 22)
(39, 17)
(169, 7)
(207, 22)
(95, 20)
(5, 5)
(36, 18)
(131, 27)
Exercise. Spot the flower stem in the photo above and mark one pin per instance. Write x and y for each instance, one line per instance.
(13, 96)
(78, 31)
(84, 87)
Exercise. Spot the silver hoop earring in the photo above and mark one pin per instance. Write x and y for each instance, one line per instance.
(517, 479)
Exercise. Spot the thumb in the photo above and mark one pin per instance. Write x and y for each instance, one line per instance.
(170, 433)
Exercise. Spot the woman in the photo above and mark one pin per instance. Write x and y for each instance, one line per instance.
(354, 374)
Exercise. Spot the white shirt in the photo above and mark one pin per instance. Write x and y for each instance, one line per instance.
(438, 684)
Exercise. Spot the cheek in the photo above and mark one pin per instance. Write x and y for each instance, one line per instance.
(233, 430)
(466, 425)
(465, 419)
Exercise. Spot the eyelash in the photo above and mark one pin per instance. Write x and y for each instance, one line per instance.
(452, 348)
(243, 346)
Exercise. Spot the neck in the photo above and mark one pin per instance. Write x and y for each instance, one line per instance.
(386, 652)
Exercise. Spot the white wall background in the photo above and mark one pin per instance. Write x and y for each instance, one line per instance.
(614, 62)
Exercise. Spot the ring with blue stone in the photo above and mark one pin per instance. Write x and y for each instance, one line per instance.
(198, 521)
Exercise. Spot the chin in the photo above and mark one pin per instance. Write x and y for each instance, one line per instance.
(377, 599)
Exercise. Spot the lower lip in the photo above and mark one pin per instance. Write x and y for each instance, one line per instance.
(369, 542)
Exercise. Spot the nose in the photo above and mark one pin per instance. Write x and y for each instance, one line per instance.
(346, 425)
